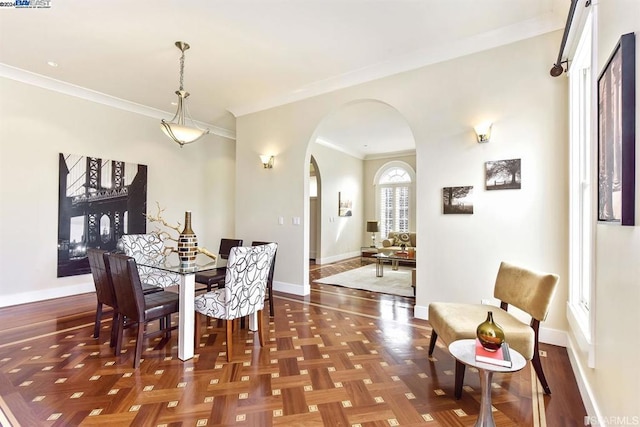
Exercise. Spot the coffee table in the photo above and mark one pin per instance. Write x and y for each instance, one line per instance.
(394, 259)
(464, 351)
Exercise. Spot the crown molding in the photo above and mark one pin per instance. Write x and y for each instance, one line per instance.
(502, 36)
(48, 83)
(347, 151)
(390, 155)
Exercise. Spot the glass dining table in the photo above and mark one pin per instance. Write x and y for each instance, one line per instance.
(187, 292)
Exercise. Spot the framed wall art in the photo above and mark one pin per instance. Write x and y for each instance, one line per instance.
(345, 204)
(99, 200)
(616, 135)
(457, 200)
(503, 174)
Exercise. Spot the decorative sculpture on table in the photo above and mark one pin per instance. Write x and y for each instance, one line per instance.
(490, 334)
(186, 243)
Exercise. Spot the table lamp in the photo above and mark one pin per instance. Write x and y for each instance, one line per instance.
(372, 227)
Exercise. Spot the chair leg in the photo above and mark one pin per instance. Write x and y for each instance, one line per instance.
(167, 324)
(537, 365)
(114, 329)
(96, 326)
(120, 332)
(270, 289)
(197, 329)
(229, 339)
(260, 334)
(535, 361)
(138, 355)
(432, 343)
(459, 379)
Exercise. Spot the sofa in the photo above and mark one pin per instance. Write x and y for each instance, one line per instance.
(396, 238)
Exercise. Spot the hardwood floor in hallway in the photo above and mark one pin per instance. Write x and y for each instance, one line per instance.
(338, 357)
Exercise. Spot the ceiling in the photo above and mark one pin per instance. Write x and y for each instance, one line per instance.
(249, 55)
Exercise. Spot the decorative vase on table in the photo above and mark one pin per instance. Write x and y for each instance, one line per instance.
(187, 244)
(490, 334)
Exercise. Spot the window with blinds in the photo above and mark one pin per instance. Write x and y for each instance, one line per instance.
(394, 186)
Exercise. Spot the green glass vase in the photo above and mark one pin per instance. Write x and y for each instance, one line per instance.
(490, 334)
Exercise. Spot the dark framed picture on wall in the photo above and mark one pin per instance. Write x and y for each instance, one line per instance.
(345, 204)
(457, 200)
(503, 174)
(616, 135)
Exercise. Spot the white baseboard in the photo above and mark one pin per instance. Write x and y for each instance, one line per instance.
(45, 294)
(421, 312)
(588, 399)
(292, 288)
(336, 258)
(83, 288)
(553, 337)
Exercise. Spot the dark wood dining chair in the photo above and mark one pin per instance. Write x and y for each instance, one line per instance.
(135, 306)
(104, 291)
(270, 278)
(243, 292)
(215, 277)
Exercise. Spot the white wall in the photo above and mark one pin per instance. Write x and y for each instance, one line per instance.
(36, 124)
(460, 254)
(612, 388)
(341, 237)
(511, 87)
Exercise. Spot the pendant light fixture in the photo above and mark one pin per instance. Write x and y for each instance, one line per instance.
(177, 129)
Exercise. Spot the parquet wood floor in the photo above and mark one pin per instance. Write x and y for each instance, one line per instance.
(340, 357)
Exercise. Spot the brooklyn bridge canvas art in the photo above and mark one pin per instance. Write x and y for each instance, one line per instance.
(99, 200)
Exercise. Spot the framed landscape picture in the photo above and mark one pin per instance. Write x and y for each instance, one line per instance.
(457, 200)
(503, 174)
(616, 135)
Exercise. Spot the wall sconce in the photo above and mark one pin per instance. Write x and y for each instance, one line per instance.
(267, 161)
(483, 131)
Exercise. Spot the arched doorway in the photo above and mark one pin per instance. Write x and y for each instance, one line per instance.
(359, 136)
(315, 211)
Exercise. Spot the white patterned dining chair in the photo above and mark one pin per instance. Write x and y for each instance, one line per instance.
(147, 250)
(243, 293)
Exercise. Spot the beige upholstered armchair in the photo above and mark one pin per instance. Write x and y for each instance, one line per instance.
(527, 290)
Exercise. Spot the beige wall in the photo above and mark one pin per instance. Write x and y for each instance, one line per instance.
(36, 124)
(441, 103)
(339, 172)
(612, 387)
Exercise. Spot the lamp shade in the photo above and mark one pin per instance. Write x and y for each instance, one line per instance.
(372, 226)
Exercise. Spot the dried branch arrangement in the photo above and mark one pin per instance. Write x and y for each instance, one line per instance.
(164, 235)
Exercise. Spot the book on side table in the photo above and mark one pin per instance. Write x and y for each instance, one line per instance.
(500, 357)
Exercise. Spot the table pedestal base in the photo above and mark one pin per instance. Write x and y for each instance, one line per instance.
(379, 268)
(485, 417)
(186, 322)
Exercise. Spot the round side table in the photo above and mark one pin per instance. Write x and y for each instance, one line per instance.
(465, 351)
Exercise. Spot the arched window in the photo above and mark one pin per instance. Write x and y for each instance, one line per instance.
(394, 185)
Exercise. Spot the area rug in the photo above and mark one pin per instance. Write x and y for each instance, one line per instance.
(396, 282)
